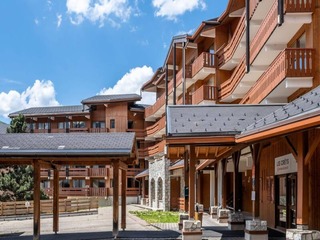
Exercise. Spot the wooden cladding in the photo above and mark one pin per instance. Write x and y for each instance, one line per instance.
(204, 93)
(179, 77)
(155, 149)
(150, 131)
(292, 62)
(205, 59)
(299, 6)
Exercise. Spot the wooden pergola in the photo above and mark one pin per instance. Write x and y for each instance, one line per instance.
(52, 151)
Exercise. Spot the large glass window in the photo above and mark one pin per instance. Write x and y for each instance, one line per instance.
(78, 124)
(79, 183)
(99, 124)
(112, 123)
(44, 125)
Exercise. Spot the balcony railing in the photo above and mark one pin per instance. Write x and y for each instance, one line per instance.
(299, 5)
(228, 86)
(204, 60)
(204, 93)
(98, 172)
(188, 99)
(155, 149)
(152, 130)
(98, 130)
(73, 172)
(132, 172)
(290, 63)
(156, 106)
(140, 133)
(179, 77)
(227, 52)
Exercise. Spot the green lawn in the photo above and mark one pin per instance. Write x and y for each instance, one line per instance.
(157, 216)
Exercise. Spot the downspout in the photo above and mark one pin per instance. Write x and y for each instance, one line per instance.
(174, 73)
(247, 36)
(166, 83)
(280, 12)
(184, 73)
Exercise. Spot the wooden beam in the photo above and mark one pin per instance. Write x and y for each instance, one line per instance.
(293, 150)
(208, 140)
(115, 225)
(224, 183)
(311, 150)
(123, 198)
(56, 200)
(192, 171)
(122, 165)
(186, 176)
(36, 200)
(236, 181)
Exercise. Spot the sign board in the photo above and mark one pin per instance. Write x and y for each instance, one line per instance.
(285, 164)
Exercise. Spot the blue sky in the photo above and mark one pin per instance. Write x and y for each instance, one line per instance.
(58, 52)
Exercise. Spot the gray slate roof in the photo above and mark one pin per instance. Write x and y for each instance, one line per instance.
(3, 127)
(67, 143)
(301, 107)
(111, 98)
(37, 111)
(143, 173)
(220, 119)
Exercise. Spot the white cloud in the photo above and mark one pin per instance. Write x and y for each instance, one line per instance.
(36, 21)
(170, 9)
(131, 82)
(112, 11)
(59, 20)
(42, 93)
(190, 32)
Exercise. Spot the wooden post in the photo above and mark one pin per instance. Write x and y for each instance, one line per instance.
(224, 183)
(115, 228)
(303, 181)
(192, 171)
(123, 198)
(56, 200)
(198, 187)
(36, 200)
(216, 184)
(186, 176)
(236, 181)
(256, 153)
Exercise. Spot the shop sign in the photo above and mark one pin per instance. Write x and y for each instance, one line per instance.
(285, 164)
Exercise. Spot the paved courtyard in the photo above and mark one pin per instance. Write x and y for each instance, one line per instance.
(99, 226)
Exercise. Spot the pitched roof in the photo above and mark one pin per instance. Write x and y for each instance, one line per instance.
(66, 143)
(3, 127)
(176, 165)
(38, 111)
(111, 98)
(144, 173)
(300, 108)
(220, 119)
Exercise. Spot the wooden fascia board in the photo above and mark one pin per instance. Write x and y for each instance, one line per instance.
(203, 140)
(176, 167)
(280, 130)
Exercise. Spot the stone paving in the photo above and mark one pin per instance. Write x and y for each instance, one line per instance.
(99, 226)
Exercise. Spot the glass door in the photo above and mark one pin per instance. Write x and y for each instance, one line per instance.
(292, 206)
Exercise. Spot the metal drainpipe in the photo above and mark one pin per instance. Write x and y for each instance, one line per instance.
(166, 80)
(174, 74)
(184, 73)
(247, 36)
(280, 12)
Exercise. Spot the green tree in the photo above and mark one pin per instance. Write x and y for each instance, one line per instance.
(16, 181)
(17, 125)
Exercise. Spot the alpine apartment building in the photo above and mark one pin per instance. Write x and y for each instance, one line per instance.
(235, 123)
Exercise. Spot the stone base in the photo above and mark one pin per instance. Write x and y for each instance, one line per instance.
(194, 235)
(222, 219)
(214, 216)
(236, 225)
(299, 234)
(256, 235)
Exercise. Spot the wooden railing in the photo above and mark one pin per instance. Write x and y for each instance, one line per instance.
(153, 129)
(188, 99)
(133, 191)
(205, 92)
(98, 172)
(299, 5)
(65, 205)
(132, 172)
(73, 172)
(140, 133)
(227, 52)
(205, 59)
(155, 149)
(98, 192)
(78, 129)
(266, 28)
(156, 106)
(98, 130)
(228, 86)
(179, 77)
(290, 63)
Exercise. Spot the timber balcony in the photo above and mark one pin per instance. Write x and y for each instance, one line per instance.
(155, 150)
(71, 130)
(156, 130)
(204, 95)
(157, 109)
(291, 70)
(179, 80)
(266, 45)
(79, 172)
(140, 133)
(203, 66)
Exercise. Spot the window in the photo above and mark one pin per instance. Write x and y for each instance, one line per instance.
(98, 183)
(43, 125)
(112, 123)
(100, 124)
(78, 124)
(79, 183)
(61, 125)
(301, 41)
(31, 126)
